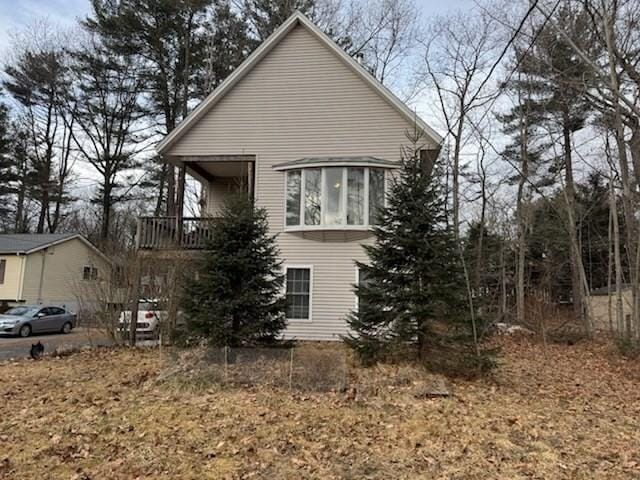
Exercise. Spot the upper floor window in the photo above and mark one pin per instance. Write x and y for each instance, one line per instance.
(334, 196)
(89, 273)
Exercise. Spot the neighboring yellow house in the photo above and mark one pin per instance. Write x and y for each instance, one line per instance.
(603, 307)
(48, 268)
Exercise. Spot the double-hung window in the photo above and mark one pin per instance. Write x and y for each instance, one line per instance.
(298, 293)
(342, 197)
(89, 273)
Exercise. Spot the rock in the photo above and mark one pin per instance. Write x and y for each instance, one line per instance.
(509, 329)
(436, 388)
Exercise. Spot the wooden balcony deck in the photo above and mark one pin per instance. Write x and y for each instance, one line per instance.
(173, 233)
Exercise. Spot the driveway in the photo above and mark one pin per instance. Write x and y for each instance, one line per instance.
(18, 348)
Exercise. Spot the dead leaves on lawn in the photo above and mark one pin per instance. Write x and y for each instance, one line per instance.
(570, 413)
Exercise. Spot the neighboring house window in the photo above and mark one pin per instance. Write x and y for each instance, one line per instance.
(3, 267)
(298, 293)
(89, 273)
(334, 196)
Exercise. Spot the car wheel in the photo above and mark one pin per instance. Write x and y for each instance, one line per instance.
(66, 328)
(24, 331)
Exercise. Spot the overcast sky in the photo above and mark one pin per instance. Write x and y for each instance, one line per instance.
(16, 14)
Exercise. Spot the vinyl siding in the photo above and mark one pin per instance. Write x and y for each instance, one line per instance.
(10, 288)
(301, 100)
(62, 278)
(217, 190)
(600, 309)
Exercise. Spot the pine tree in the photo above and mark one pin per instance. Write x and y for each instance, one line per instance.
(37, 82)
(106, 115)
(236, 297)
(6, 168)
(166, 40)
(413, 290)
(266, 16)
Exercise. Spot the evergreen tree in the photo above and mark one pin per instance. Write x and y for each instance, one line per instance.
(236, 297)
(38, 83)
(228, 44)
(266, 16)
(105, 115)
(181, 51)
(7, 175)
(413, 290)
(165, 39)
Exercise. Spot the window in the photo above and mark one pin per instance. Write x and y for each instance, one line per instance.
(312, 196)
(3, 267)
(333, 187)
(345, 197)
(293, 198)
(376, 194)
(355, 196)
(298, 293)
(89, 273)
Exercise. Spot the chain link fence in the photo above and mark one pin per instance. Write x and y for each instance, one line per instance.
(300, 368)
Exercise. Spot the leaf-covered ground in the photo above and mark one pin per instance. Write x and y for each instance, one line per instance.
(573, 413)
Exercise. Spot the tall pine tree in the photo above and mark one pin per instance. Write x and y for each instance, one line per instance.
(6, 168)
(236, 297)
(265, 16)
(412, 291)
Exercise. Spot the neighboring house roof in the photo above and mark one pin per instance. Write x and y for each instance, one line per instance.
(335, 161)
(253, 59)
(26, 243)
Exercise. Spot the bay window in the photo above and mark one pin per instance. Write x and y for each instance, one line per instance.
(334, 196)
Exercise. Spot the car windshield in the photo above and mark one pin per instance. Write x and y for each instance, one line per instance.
(147, 306)
(21, 311)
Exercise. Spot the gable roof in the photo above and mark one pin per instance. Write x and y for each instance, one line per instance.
(26, 243)
(296, 19)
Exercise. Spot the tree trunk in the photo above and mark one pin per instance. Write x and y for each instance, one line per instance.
(456, 178)
(106, 208)
(627, 201)
(618, 260)
(576, 287)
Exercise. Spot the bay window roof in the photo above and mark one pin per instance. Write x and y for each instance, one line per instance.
(359, 161)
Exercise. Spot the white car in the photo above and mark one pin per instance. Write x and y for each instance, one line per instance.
(150, 317)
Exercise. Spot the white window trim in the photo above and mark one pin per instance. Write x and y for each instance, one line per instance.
(356, 301)
(310, 268)
(323, 199)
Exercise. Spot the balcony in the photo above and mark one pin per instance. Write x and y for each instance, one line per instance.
(173, 233)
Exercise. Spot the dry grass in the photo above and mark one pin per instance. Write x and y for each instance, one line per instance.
(572, 414)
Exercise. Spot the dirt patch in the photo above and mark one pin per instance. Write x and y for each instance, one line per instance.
(572, 412)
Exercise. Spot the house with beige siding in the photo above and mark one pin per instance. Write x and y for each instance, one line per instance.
(48, 268)
(314, 138)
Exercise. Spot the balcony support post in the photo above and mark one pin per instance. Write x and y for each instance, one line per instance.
(182, 170)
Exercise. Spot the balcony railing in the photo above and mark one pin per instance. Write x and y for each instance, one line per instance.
(167, 233)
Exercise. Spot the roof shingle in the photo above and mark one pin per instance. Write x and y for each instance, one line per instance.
(26, 242)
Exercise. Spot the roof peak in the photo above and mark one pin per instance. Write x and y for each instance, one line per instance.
(297, 18)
